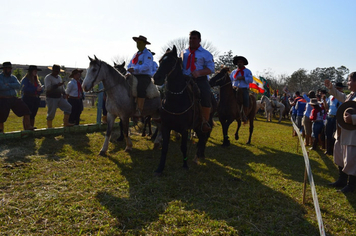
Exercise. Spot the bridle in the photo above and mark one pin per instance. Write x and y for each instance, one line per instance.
(96, 77)
(176, 93)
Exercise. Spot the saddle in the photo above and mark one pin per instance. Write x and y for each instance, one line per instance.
(151, 91)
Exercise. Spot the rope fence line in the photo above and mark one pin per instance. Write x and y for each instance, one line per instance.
(308, 173)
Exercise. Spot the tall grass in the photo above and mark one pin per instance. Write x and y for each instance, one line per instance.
(58, 185)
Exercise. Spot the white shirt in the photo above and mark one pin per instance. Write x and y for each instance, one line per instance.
(144, 64)
(203, 59)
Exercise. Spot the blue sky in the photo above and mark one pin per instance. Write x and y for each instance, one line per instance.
(277, 36)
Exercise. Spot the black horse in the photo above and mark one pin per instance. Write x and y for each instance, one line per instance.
(180, 108)
(229, 105)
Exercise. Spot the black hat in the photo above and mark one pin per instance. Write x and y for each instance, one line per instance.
(6, 64)
(236, 58)
(74, 72)
(349, 107)
(142, 38)
(314, 101)
(339, 85)
(32, 67)
(55, 67)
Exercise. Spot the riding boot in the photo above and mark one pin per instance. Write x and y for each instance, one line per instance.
(205, 113)
(351, 185)
(66, 121)
(342, 180)
(27, 123)
(32, 121)
(49, 124)
(1, 127)
(244, 115)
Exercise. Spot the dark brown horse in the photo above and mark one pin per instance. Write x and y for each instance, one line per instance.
(230, 105)
(180, 108)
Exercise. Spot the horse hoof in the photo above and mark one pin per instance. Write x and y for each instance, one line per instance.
(248, 142)
(196, 160)
(157, 174)
(102, 153)
(156, 146)
(236, 137)
(127, 149)
(119, 139)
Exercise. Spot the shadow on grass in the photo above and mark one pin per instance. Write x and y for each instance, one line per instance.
(18, 153)
(228, 191)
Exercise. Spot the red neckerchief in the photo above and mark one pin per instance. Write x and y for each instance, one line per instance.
(36, 85)
(239, 70)
(80, 90)
(191, 60)
(135, 60)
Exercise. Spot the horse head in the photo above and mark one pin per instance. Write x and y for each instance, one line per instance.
(221, 78)
(120, 68)
(93, 74)
(167, 64)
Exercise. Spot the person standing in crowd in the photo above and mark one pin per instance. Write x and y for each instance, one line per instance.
(294, 110)
(154, 64)
(300, 107)
(31, 89)
(241, 78)
(8, 98)
(199, 63)
(317, 117)
(141, 66)
(56, 96)
(75, 96)
(331, 105)
(345, 143)
(307, 124)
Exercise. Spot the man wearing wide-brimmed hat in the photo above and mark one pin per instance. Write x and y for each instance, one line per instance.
(9, 100)
(141, 66)
(331, 105)
(75, 96)
(345, 144)
(55, 96)
(241, 78)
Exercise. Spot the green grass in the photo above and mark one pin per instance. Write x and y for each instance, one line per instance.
(14, 123)
(58, 185)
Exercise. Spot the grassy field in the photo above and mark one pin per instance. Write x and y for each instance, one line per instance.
(58, 185)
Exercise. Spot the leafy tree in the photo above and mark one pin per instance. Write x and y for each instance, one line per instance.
(225, 60)
(18, 73)
(299, 80)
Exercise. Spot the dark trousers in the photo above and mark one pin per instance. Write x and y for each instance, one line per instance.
(142, 83)
(15, 104)
(77, 108)
(205, 91)
(32, 103)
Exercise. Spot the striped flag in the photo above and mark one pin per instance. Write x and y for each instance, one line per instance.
(257, 85)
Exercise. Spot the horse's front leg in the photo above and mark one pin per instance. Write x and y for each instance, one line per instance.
(125, 126)
(183, 148)
(110, 124)
(238, 128)
(225, 129)
(165, 136)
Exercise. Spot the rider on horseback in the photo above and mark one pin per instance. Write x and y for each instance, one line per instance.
(241, 78)
(198, 63)
(141, 66)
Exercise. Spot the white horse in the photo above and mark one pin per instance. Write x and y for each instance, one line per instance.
(269, 108)
(120, 102)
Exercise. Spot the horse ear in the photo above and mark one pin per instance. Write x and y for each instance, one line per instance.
(115, 64)
(123, 64)
(174, 49)
(91, 59)
(96, 58)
